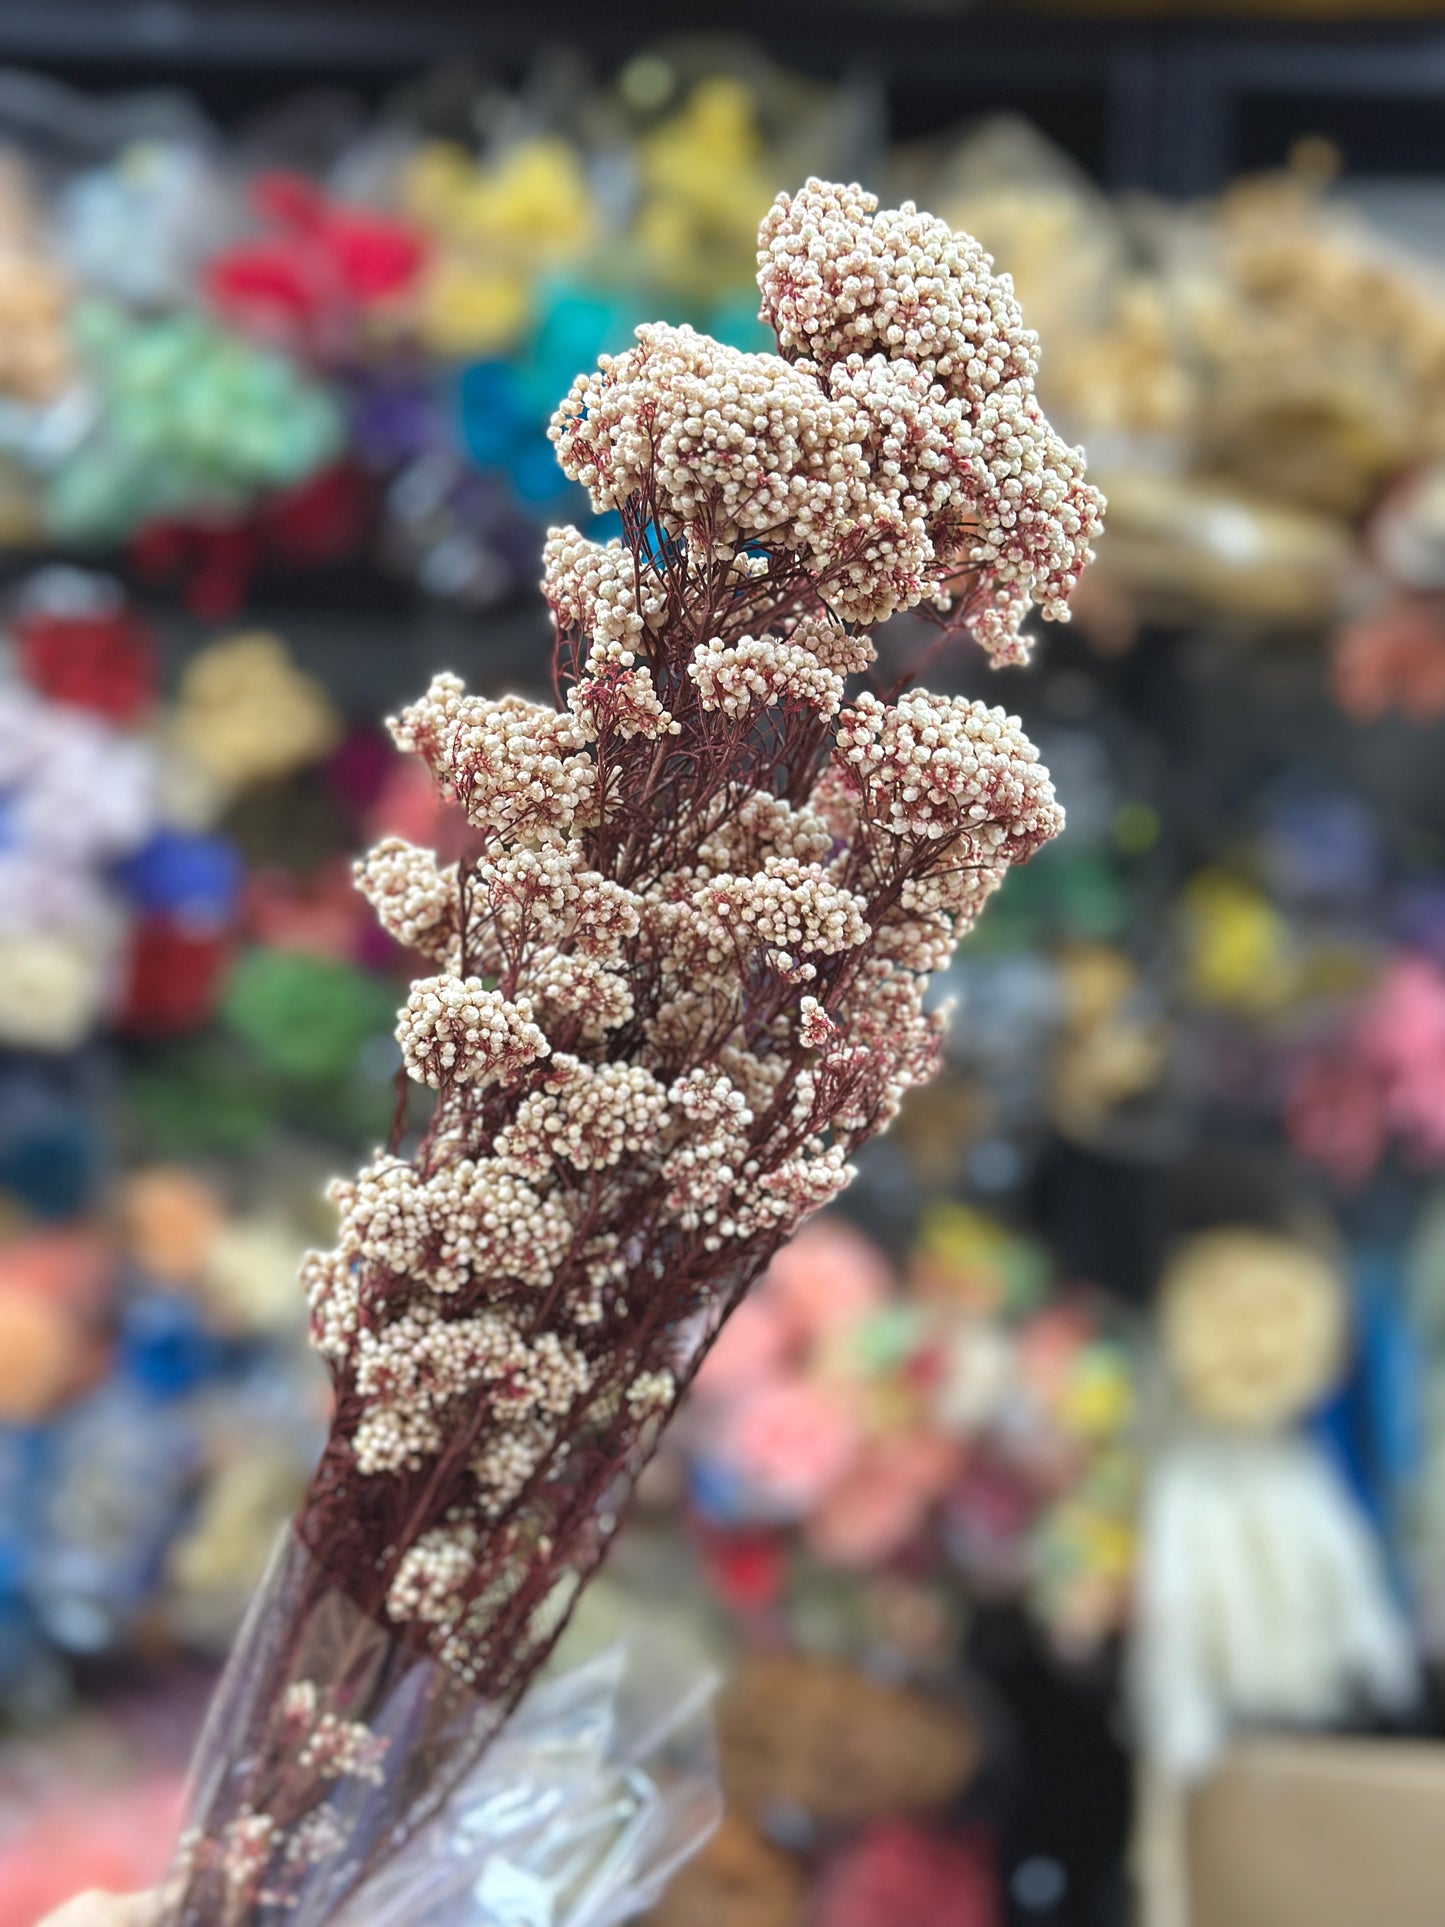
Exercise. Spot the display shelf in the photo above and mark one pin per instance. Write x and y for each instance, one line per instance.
(1178, 106)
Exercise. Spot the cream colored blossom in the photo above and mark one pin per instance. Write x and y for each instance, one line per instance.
(789, 906)
(596, 590)
(586, 1115)
(567, 986)
(454, 1030)
(415, 900)
(746, 675)
(730, 443)
(615, 692)
(680, 970)
(942, 766)
(513, 765)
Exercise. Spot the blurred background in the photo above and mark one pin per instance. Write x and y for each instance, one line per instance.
(1068, 1511)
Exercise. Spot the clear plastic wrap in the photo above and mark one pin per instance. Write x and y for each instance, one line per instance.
(573, 1813)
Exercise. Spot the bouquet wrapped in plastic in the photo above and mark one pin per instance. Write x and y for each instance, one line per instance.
(678, 975)
(603, 1781)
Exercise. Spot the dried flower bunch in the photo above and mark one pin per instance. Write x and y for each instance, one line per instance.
(680, 976)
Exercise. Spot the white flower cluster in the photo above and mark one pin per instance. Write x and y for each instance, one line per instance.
(597, 590)
(415, 900)
(439, 1585)
(746, 675)
(788, 906)
(328, 1279)
(901, 453)
(887, 1020)
(958, 889)
(469, 1218)
(736, 444)
(652, 1391)
(848, 651)
(760, 826)
(431, 1579)
(513, 765)
(942, 766)
(605, 916)
(453, 1030)
(383, 1218)
(839, 278)
(802, 1185)
(567, 985)
(615, 692)
(412, 1370)
(488, 1224)
(327, 1745)
(509, 1457)
(539, 896)
(815, 1027)
(712, 1154)
(587, 1115)
(246, 1845)
(957, 429)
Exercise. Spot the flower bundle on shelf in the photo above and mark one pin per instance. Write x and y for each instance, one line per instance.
(678, 977)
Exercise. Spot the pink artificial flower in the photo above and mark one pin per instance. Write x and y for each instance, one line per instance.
(791, 1441)
(116, 1839)
(1048, 1346)
(1403, 1028)
(884, 1500)
(1403, 1036)
(408, 805)
(1335, 1117)
(1394, 659)
(753, 1348)
(322, 914)
(828, 1277)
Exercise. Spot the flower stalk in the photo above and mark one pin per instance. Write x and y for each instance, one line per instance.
(676, 979)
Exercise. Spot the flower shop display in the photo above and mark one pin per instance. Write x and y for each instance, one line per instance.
(964, 1419)
(1249, 372)
(136, 1386)
(678, 977)
(322, 277)
(156, 1400)
(409, 269)
(88, 866)
(122, 898)
(1377, 1079)
(258, 382)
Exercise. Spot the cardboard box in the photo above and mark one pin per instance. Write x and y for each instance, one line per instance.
(1318, 1833)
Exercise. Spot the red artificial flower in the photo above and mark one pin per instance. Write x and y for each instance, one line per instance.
(173, 978)
(899, 1871)
(746, 1569)
(324, 519)
(319, 264)
(101, 662)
